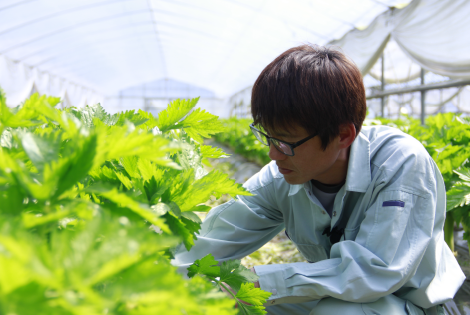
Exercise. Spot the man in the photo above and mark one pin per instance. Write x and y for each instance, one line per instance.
(365, 206)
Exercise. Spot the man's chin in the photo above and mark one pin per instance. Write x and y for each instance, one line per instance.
(293, 180)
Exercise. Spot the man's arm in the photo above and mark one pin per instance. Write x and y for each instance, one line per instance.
(239, 227)
(385, 257)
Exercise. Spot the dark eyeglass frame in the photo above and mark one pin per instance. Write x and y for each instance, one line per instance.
(291, 145)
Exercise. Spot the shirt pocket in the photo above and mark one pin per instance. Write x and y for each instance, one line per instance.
(312, 252)
(391, 224)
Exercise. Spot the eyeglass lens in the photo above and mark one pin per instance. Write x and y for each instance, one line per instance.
(282, 147)
(262, 138)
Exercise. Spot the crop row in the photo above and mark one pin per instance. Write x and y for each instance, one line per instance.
(239, 138)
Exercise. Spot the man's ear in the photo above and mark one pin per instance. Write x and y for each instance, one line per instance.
(347, 134)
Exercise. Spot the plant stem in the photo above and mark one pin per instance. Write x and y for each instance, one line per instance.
(220, 283)
(449, 230)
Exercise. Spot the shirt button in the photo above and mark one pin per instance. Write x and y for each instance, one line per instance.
(334, 213)
(274, 291)
(323, 212)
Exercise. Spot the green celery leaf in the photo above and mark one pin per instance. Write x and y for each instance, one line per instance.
(135, 143)
(458, 196)
(252, 295)
(40, 149)
(191, 216)
(234, 274)
(146, 169)
(6, 139)
(135, 118)
(73, 167)
(191, 225)
(11, 198)
(130, 165)
(206, 266)
(151, 122)
(27, 115)
(13, 273)
(201, 208)
(162, 208)
(189, 157)
(464, 174)
(89, 113)
(31, 220)
(124, 180)
(179, 183)
(155, 189)
(215, 183)
(251, 309)
(169, 118)
(126, 201)
(16, 174)
(201, 124)
(183, 227)
(208, 151)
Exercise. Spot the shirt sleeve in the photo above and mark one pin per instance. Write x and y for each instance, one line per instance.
(239, 227)
(391, 240)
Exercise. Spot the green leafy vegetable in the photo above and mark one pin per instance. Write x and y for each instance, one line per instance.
(238, 278)
(82, 195)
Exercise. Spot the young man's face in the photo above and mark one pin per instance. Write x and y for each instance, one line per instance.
(310, 160)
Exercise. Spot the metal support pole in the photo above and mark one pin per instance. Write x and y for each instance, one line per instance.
(382, 99)
(423, 99)
(419, 88)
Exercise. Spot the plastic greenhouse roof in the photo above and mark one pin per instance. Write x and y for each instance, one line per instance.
(219, 45)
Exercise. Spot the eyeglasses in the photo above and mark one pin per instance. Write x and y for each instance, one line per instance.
(281, 146)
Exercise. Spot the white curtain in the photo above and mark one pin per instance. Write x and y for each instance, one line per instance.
(19, 81)
(433, 33)
(398, 68)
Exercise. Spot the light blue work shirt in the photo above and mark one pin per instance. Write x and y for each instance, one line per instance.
(393, 203)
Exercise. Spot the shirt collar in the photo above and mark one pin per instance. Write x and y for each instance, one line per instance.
(297, 187)
(358, 177)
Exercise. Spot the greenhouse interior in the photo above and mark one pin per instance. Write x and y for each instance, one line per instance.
(93, 157)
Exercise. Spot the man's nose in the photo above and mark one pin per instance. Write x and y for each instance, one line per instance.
(274, 154)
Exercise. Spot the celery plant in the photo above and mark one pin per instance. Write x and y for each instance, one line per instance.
(82, 194)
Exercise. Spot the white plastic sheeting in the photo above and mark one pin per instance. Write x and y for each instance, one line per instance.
(20, 81)
(428, 34)
(103, 46)
(434, 34)
(398, 68)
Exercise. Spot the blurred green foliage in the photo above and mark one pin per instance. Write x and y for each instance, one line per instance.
(92, 206)
(238, 137)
